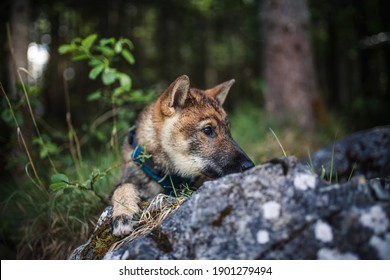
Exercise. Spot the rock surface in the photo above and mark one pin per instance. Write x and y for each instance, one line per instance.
(278, 210)
(363, 153)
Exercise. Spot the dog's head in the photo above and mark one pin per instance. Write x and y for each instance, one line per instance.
(194, 132)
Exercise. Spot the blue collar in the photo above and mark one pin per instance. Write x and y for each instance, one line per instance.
(167, 181)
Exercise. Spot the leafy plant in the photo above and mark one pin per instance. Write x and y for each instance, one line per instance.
(101, 56)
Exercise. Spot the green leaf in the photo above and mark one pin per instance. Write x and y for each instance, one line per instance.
(37, 140)
(6, 115)
(125, 81)
(140, 96)
(106, 41)
(119, 102)
(51, 147)
(87, 184)
(128, 56)
(43, 153)
(88, 42)
(77, 41)
(95, 71)
(59, 178)
(96, 95)
(100, 135)
(106, 51)
(58, 181)
(109, 76)
(118, 47)
(57, 186)
(33, 91)
(79, 56)
(66, 49)
(128, 43)
(117, 92)
(95, 62)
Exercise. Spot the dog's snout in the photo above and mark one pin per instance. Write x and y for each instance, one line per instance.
(247, 164)
(241, 161)
(231, 160)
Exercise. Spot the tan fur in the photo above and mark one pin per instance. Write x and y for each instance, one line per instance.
(172, 131)
(220, 92)
(125, 205)
(126, 200)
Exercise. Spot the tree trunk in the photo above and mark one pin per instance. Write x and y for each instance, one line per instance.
(18, 42)
(290, 84)
(53, 91)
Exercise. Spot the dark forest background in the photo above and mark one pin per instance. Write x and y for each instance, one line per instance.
(312, 71)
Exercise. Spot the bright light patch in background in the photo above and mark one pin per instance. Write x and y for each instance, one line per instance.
(38, 56)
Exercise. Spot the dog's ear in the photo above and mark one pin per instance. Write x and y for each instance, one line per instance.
(220, 92)
(175, 95)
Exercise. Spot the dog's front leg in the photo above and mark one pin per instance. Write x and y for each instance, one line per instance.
(125, 202)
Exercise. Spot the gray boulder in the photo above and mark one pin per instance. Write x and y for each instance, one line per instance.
(278, 210)
(362, 153)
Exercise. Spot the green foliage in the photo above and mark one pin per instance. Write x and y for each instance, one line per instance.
(59, 181)
(49, 223)
(13, 116)
(115, 91)
(101, 56)
(69, 179)
(45, 147)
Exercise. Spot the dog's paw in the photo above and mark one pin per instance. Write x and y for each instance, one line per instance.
(122, 225)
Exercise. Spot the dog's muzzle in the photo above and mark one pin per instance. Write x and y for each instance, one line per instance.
(233, 160)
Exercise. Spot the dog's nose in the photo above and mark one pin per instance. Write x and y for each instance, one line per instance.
(248, 164)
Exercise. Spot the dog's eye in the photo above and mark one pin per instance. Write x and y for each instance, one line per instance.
(208, 130)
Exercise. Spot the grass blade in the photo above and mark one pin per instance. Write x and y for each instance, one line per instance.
(277, 139)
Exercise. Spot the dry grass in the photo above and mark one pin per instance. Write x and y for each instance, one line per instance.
(152, 216)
